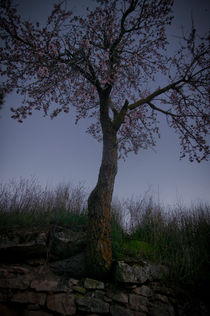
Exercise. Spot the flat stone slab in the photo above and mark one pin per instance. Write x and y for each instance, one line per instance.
(139, 273)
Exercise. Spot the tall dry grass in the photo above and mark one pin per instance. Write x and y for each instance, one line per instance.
(26, 202)
(178, 237)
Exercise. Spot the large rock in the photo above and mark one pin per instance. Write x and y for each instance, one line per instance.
(118, 310)
(138, 303)
(62, 303)
(20, 245)
(15, 283)
(44, 285)
(73, 267)
(29, 298)
(33, 245)
(65, 243)
(139, 272)
(92, 304)
(120, 297)
(143, 290)
(160, 309)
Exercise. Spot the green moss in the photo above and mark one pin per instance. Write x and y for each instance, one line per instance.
(138, 249)
(132, 249)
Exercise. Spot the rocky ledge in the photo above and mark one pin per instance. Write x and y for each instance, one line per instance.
(31, 282)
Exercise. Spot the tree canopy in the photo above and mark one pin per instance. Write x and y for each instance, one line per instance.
(118, 48)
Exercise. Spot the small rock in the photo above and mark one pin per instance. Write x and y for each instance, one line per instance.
(99, 294)
(117, 310)
(29, 298)
(79, 289)
(15, 311)
(84, 303)
(138, 303)
(92, 284)
(62, 303)
(18, 283)
(107, 299)
(165, 290)
(120, 297)
(73, 281)
(143, 290)
(99, 306)
(44, 286)
(161, 298)
(91, 304)
(159, 309)
(13, 272)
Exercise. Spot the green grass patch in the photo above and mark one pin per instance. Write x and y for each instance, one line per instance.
(138, 249)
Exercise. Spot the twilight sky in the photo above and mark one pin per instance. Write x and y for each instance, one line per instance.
(58, 151)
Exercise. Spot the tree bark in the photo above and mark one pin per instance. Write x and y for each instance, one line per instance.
(99, 206)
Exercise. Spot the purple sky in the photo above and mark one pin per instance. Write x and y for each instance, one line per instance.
(57, 151)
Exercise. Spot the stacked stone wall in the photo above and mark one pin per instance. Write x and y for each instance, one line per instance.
(36, 291)
(43, 272)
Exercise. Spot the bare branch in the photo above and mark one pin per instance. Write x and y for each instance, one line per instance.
(155, 94)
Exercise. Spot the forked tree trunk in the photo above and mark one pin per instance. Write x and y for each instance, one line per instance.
(99, 205)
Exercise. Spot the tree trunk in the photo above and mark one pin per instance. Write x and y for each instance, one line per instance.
(99, 205)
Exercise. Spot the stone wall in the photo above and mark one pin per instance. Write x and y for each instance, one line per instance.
(36, 291)
(30, 287)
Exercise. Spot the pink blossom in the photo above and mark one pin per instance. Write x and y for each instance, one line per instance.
(63, 66)
(43, 72)
(87, 43)
(52, 49)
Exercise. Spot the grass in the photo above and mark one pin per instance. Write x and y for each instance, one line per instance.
(25, 203)
(138, 249)
(178, 238)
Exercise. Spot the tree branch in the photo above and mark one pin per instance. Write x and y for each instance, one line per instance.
(176, 118)
(161, 110)
(155, 94)
(129, 10)
(119, 117)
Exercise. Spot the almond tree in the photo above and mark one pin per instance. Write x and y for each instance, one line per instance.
(105, 65)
